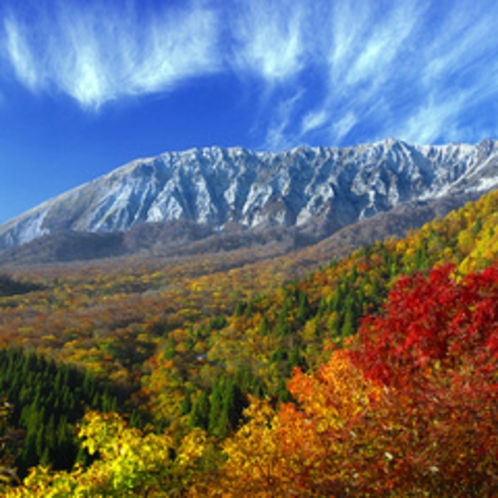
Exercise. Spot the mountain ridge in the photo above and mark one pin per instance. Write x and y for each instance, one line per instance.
(303, 188)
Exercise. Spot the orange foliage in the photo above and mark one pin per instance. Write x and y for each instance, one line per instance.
(413, 415)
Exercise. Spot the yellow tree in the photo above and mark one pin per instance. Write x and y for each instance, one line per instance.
(313, 447)
(129, 463)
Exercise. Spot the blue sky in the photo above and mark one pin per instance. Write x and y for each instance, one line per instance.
(86, 85)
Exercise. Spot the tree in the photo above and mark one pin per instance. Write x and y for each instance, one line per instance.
(128, 463)
(407, 409)
(306, 448)
(9, 439)
(435, 351)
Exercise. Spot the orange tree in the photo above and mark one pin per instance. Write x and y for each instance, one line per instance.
(409, 409)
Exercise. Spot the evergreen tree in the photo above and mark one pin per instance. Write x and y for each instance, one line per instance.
(200, 414)
(48, 400)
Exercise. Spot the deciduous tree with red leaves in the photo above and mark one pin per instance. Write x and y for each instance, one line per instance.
(409, 409)
(434, 348)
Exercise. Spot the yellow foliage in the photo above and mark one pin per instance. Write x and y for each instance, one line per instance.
(130, 463)
(300, 450)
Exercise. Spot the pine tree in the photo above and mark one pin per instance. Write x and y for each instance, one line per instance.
(200, 414)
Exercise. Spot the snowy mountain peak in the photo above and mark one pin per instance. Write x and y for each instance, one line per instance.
(332, 187)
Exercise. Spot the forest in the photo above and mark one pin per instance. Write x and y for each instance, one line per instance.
(235, 374)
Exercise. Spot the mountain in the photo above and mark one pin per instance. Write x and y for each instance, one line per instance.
(313, 192)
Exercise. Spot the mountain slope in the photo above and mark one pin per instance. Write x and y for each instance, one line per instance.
(170, 238)
(223, 326)
(318, 190)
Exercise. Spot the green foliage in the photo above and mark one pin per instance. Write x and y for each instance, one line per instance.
(48, 400)
(9, 442)
(11, 287)
(226, 405)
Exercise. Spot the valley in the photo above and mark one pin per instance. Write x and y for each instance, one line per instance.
(188, 343)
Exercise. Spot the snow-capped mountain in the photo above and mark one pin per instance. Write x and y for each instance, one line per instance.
(330, 187)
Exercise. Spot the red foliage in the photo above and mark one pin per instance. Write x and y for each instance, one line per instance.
(434, 349)
(432, 323)
(414, 413)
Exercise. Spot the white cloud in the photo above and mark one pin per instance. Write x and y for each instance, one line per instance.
(20, 54)
(466, 36)
(429, 123)
(95, 54)
(280, 134)
(382, 46)
(347, 25)
(403, 69)
(457, 70)
(268, 39)
(322, 69)
(314, 120)
(370, 51)
(344, 125)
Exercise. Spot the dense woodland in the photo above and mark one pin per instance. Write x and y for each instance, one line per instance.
(230, 374)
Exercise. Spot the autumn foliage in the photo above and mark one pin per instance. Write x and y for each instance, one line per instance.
(359, 381)
(432, 324)
(130, 463)
(434, 348)
(410, 409)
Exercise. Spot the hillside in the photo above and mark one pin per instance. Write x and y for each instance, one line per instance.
(192, 341)
(173, 239)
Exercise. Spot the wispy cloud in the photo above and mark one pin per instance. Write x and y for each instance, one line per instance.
(416, 70)
(280, 134)
(268, 39)
(344, 125)
(313, 120)
(372, 46)
(20, 54)
(327, 72)
(95, 55)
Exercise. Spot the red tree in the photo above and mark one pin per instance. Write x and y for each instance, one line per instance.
(434, 348)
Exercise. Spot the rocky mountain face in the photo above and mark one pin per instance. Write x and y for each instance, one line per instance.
(313, 191)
